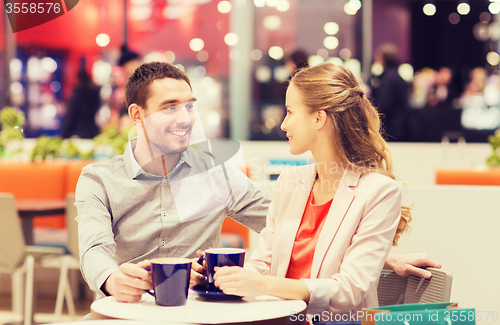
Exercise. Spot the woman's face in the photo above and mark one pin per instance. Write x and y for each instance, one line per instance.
(299, 124)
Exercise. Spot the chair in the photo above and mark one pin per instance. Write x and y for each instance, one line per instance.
(66, 262)
(396, 290)
(17, 258)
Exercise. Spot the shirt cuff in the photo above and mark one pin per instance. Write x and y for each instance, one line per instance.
(102, 279)
(319, 289)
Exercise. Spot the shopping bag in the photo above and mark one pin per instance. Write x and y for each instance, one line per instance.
(442, 313)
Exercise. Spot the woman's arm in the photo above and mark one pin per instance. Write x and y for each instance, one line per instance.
(235, 280)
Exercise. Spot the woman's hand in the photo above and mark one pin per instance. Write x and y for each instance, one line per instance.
(198, 271)
(235, 280)
(410, 264)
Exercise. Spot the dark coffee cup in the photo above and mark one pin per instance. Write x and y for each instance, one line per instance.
(218, 257)
(170, 280)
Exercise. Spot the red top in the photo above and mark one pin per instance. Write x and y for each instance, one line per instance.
(307, 236)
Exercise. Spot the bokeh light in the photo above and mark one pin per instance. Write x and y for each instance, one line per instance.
(16, 88)
(429, 9)
(315, 60)
(259, 3)
(224, 7)
(494, 8)
(202, 56)
(231, 39)
(263, 74)
(272, 22)
(170, 56)
(283, 5)
(463, 8)
(276, 52)
(102, 40)
(323, 53)
(493, 58)
(485, 17)
(348, 10)
(454, 18)
(405, 70)
(256, 54)
(345, 54)
(196, 44)
(331, 28)
(331, 42)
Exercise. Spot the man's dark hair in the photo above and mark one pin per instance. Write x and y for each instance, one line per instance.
(389, 52)
(137, 85)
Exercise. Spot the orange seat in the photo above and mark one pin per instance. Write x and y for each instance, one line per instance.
(35, 181)
(73, 171)
(232, 227)
(468, 177)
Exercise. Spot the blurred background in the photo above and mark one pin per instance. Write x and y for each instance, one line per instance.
(237, 55)
(431, 67)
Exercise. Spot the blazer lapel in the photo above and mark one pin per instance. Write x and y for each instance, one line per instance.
(338, 210)
(294, 212)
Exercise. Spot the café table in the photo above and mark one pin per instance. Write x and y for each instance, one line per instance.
(120, 322)
(30, 208)
(262, 310)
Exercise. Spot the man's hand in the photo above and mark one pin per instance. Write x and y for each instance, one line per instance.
(198, 271)
(128, 284)
(409, 264)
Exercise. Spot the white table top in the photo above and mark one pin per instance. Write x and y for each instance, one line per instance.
(200, 311)
(118, 322)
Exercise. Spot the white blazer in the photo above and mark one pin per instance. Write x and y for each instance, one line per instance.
(352, 247)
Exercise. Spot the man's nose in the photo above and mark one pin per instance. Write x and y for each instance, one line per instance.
(184, 116)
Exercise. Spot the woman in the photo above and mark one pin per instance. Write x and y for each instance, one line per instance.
(332, 223)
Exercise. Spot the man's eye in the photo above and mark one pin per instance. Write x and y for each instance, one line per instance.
(189, 106)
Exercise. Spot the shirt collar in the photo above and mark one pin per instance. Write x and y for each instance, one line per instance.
(186, 157)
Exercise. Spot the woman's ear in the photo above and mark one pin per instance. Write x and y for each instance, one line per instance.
(134, 111)
(321, 119)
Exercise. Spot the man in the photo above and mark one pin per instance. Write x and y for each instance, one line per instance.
(160, 198)
(128, 210)
(390, 93)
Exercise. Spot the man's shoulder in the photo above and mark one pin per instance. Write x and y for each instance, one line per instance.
(104, 167)
(198, 157)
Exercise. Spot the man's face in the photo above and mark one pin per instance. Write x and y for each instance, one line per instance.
(169, 116)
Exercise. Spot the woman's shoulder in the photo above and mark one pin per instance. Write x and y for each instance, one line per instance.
(294, 177)
(378, 184)
(297, 172)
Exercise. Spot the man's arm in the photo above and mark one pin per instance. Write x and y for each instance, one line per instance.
(251, 203)
(410, 264)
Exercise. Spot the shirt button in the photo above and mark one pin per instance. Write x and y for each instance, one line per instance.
(164, 214)
(163, 242)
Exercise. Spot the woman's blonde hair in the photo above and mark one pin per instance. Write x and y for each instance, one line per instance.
(356, 123)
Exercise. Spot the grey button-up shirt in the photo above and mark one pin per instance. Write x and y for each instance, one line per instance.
(128, 215)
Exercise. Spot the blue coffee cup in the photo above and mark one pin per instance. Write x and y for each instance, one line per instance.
(170, 280)
(218, 257)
